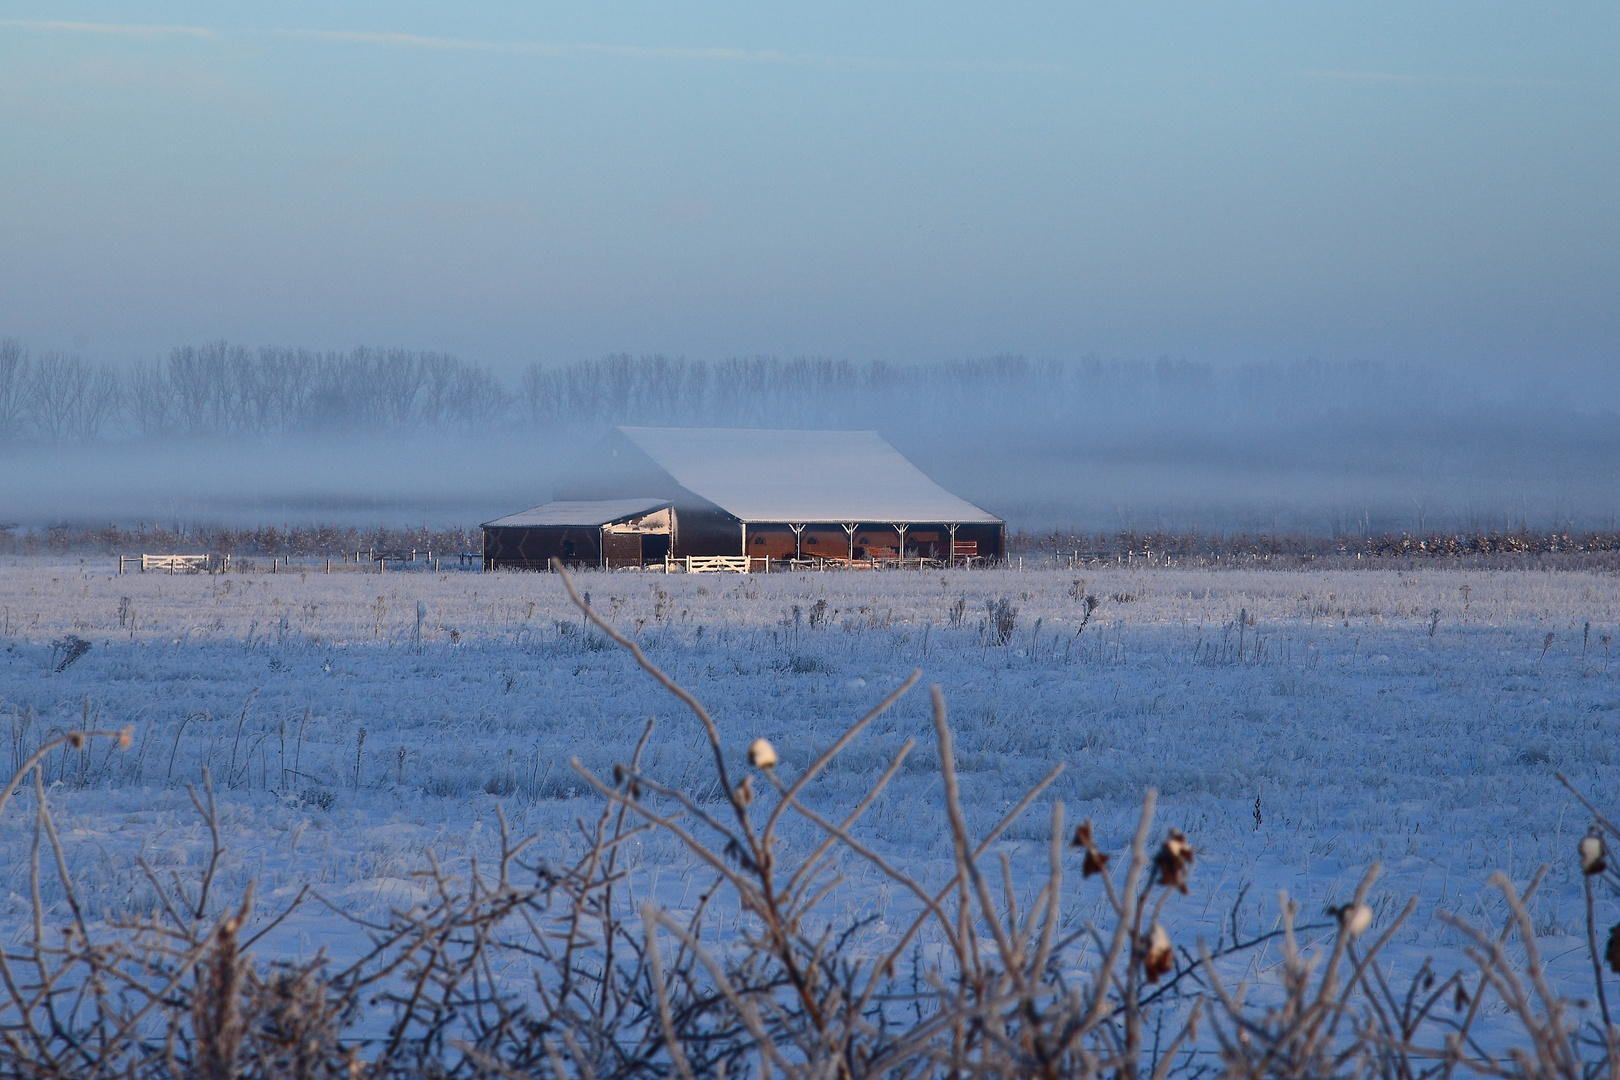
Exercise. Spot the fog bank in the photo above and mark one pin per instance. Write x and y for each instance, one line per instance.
(402, 438)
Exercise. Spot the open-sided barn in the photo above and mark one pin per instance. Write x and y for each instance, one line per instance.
(837, 496)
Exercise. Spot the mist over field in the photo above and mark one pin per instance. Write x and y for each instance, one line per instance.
(248, 437)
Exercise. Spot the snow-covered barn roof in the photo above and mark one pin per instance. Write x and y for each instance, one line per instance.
(802, 476)
(601, 512)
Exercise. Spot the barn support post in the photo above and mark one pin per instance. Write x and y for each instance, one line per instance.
(798, 542)
(601, 547)
(850, 529)
(952, 552)
(901, 529)
(745, 537)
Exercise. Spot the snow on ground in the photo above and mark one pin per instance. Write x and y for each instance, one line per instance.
(354, 721)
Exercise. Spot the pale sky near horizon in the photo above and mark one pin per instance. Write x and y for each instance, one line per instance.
(1426, 183)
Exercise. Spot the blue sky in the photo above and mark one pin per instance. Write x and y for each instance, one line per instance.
(1426, 183)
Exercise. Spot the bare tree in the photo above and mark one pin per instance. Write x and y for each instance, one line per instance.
(538, 394)
(438, 373)
(14, 365)
(193, 381)
(57, 391)
(478, 398)
(102, 401)
(149, 400)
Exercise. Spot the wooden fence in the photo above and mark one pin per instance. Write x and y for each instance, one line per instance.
(171, 564)
(708, 564)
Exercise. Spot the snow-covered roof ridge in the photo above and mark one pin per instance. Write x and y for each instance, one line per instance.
(579, 512)
(765, 475)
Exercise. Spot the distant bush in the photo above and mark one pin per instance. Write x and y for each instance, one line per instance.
(1159, 546)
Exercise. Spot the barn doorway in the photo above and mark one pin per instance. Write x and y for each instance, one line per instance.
(654, 548)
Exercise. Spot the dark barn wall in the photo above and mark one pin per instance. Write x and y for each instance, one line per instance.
(705, 531)
(623, 550)
(534, 547)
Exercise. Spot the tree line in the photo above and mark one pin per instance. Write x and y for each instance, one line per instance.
(223, 389)
(220, 389)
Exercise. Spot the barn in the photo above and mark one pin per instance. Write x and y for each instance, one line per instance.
(804, 497)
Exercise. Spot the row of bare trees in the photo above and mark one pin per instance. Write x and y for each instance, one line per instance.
(223, 389)
(56, 396)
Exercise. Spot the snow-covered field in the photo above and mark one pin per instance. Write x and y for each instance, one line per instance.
(354, 721)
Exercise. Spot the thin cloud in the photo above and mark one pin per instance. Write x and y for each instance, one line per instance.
(118, 29)
(519, 48)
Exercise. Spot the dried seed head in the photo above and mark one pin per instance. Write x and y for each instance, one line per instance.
(1096, 862)
(76, 739)
(1157, 955)
(1594, 857)
(1174, 860)
(1354, 919)
(761, 754)
(745, 791)
(126, 736)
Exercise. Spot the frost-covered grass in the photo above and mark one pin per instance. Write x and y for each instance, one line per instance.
(1413, 719)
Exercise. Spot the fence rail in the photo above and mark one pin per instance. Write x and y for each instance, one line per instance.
(707, 564)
